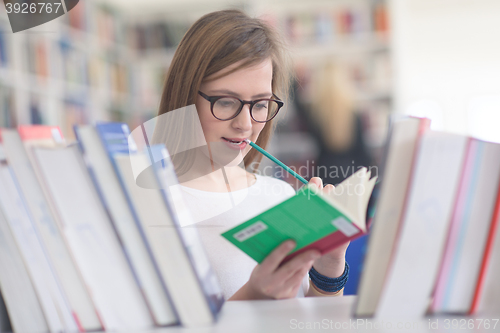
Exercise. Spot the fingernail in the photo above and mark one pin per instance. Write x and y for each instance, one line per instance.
(290, 245)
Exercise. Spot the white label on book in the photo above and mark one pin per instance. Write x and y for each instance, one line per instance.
(56, 135)
(345, 226)
(250, 231)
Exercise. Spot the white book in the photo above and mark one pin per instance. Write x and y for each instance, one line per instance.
(184, 278)
(402, 144)
(92, 240)
(469, 231)
(54, 305)
(168, 182)
(489, 292)
(420, 244)
(126, 227)
(20, 298)
(39, 207)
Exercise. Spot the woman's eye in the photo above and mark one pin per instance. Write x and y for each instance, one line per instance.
(225, 103)
(260, 106)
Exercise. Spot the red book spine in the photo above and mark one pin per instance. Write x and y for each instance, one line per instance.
(37, 132)
(444, 264)
(425, 125)
(327, 243)
(487, 255)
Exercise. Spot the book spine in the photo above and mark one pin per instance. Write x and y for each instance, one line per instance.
(37, 132)
(328, 243)
(486, 256)
(107, 209)
(425, 124)
(119, 131)
(461, 203)
(212, 305)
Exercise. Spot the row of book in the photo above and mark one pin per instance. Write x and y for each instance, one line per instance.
(73, 111)
(65, 60)
(4, 57)
(70, 58)
(156, 35)
(7, 114)
(434, 247)
(58, 70)
(99, 20)
(84, 248)
(327, 25)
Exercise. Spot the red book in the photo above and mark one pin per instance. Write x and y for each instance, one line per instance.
(487, 256)
(469, 229)
(40, 132)
(402, 148)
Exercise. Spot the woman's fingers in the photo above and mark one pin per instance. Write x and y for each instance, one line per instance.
(273, 260)
(290, 287)
(296, 264)
(299, 274)
(329, 188)
(316, 181)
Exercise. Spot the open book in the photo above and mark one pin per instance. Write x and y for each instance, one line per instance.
(314, 220)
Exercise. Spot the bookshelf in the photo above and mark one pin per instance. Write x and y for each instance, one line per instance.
(73, 70)
(355, 33)
(100, 64)
(323, 314)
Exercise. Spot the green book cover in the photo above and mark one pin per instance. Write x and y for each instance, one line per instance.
(307, 218)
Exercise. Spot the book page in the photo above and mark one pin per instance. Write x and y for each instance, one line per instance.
(95, 247)
(353, 195)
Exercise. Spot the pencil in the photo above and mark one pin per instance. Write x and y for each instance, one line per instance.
(275, 160)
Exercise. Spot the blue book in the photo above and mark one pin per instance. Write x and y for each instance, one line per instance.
(196, 296)
(125, 224)
(166, 178)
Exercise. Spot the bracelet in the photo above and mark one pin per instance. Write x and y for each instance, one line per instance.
(318, 292)
(328, 284)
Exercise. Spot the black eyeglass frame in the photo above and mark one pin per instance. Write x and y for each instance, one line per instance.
(213, 99)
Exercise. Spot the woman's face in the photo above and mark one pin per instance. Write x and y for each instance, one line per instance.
(247, 84)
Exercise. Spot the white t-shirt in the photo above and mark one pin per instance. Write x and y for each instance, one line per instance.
(214, 213)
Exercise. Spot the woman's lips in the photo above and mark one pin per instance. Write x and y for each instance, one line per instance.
(234, 143)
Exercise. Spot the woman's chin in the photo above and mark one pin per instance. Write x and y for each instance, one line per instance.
(237, 161)
(221, 155)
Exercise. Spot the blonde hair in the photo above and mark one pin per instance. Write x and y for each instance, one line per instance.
(214, 42)
(334, 106)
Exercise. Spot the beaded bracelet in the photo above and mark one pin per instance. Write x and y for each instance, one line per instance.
(328, 284)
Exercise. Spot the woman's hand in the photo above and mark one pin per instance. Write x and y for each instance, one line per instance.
(332, 263)
(269, 280)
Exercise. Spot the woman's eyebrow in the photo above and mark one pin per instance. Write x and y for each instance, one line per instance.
(232, 93)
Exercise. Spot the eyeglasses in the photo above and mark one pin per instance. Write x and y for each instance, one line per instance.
(229, 107)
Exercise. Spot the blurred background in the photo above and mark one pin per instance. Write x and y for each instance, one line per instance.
(356, 63)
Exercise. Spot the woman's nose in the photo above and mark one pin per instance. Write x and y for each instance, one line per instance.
(243, 121)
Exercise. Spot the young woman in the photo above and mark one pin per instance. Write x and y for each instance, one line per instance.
(233, 68)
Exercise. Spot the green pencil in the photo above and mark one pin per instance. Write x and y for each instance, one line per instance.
(275, 160)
